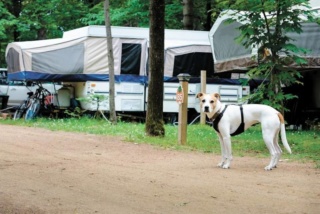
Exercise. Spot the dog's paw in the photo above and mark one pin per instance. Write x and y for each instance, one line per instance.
(226, 167)
(268, 168)
(226, 164)
(220, 164)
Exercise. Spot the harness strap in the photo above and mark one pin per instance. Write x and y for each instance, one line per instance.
(218, 118)
(239, 130)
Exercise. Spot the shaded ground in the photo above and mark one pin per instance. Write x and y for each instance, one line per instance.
(58, 172)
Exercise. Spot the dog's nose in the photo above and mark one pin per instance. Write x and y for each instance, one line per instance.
(206, 109)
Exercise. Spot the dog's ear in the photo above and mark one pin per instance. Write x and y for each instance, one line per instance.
(217, 95)
(199, 95)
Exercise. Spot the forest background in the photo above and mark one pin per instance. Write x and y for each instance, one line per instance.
(26, 20)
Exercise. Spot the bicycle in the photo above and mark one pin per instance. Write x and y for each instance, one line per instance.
(23, 107)
(41, 101)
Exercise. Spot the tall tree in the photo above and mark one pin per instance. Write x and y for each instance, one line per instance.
(112, 108)
(267, 23)
(188, 16)
(15, 7)
(208, 23)
(154, 121)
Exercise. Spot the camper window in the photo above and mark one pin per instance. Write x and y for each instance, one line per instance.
(193, 63)
(3, 77)
(131, 58)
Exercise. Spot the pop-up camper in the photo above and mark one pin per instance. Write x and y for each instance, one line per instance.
(80, 57)
(229, 56)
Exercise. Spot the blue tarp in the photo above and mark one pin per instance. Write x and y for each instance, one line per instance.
(38, 76)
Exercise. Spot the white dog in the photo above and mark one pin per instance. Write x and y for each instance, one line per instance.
(229, 120)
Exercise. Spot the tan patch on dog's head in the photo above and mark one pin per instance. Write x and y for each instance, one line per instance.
(216, 95)
(208, 102)
(199, 95)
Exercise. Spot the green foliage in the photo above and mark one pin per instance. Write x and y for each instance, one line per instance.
(7, 23)
(75, 113)
(305, 145)
(95, 16)
(265, 95)
(134, 13)
(174, 14)
(7, 20)
(266, 27)
(41, 19)
(94, 99)
(26, 20)
(128, 13)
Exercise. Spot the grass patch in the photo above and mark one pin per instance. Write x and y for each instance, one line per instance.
(305, 145)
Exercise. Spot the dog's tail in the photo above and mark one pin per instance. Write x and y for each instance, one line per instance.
(283, 133)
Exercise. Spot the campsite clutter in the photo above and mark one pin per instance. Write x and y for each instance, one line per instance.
(79, 60)
(230, 56)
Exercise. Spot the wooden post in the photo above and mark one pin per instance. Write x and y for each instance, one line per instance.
(203, 90)
(183, 109)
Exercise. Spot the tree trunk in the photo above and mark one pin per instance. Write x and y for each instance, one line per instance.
(16, 10)
(42, 34)
(208, 24)
(188, 14)
(112, 109)
(154, 120)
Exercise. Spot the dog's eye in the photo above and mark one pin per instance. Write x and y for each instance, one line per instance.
(211, 101)
(203, 101)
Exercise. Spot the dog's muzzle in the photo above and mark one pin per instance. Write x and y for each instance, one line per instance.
(206, 109)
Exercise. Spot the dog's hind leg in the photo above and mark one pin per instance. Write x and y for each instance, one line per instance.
(270, 130)
(277, 149)
(268, 137)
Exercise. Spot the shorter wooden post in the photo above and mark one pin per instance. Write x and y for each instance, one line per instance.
(203, 90)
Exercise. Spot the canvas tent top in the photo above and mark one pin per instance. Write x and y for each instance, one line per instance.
(81, 55)
(173, 38)
(228, 55)
(314, 4)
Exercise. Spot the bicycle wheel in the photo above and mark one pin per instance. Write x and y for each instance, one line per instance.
(20, 111)
(33, 110)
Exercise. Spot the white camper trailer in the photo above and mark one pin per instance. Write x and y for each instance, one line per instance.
(182, 52)
(80, 59)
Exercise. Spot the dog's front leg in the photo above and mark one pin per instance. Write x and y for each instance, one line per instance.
(223, 153)
(228, 151)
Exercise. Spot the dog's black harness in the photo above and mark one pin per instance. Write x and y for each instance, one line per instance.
(217, 117)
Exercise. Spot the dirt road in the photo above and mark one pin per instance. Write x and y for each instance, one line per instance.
(43, 171)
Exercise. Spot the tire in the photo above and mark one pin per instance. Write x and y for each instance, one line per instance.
(173, 118)
(20, 111)
(33, 110)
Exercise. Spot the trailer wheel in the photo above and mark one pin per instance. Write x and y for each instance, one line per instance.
(172, 118)
(193, 116)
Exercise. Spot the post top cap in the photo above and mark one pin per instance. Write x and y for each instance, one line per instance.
(184, 77)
